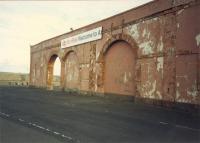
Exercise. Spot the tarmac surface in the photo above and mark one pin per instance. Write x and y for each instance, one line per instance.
(29, 115)
(14, 133)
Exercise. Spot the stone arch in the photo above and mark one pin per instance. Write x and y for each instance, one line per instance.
(53, 53)
(118, 37)
(50, 67)
(125, 77)
(70, 70)
(67, 53)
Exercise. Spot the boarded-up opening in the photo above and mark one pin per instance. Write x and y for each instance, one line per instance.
(120, 69)
(53, 78)
(71, 71)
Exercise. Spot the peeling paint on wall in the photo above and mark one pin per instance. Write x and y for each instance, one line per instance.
(192, 93)
(180, 11)
(148, 89)
(152, 91)
(159, 95)
(177, 94)
(146, 47)
(177, 25)
(198, 39)
(134, 31)
(160, 44)
(146, 33)
(193, 90)
(126, 77)
(160, 64)
(84, 65)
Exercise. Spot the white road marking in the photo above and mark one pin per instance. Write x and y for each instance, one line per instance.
(185, 127)
(21, 120)
(180, 126)
(66, 137)
(56, 133)
(164, 123)
(4, 114)
(48, 130)
(69, 138)
(38, 126)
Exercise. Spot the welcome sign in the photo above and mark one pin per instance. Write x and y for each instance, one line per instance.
(85, 37)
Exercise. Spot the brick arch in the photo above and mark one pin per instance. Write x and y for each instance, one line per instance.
(70, 72)
(50, 67)
(119, 38)
(67, 53)
(51, 54)
(115, 38)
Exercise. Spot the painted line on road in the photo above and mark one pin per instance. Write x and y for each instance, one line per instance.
(4, 114)
(66, 137)
(38, 126)
(179, 126)
(164, 123)
(50, 131)
(56, 133)
(21, 120)
(185, 127)
(47, 130)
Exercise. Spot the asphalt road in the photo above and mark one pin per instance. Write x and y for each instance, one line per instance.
(14, 133)
(36, 115)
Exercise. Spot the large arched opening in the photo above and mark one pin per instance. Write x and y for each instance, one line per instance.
(72, 79)
(53, 72)
(119, 65)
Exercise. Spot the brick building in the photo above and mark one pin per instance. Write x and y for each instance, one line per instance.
(149, 52)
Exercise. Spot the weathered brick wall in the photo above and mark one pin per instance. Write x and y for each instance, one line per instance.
(165, 38)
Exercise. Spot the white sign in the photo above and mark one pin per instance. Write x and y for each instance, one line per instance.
(85, 37)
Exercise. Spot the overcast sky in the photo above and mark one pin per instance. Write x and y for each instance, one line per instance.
(27, 23)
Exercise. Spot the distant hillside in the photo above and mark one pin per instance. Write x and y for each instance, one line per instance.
(14, 76)
(8, 78)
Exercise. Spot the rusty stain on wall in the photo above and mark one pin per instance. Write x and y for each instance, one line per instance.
(164, 64)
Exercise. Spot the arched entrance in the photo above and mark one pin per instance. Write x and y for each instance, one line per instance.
(71, 71)
(119, 76)
(53, 80)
